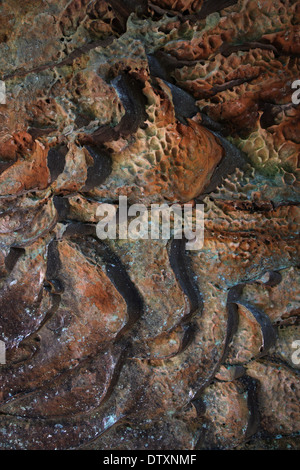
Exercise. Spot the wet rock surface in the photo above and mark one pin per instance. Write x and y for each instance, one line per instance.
(143, 344)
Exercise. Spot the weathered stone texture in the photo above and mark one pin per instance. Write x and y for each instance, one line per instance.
(142, 344)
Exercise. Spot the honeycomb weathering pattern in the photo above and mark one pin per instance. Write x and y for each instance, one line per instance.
(142, 344)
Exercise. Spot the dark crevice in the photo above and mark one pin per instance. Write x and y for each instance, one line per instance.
(36, 132)
(124, 8)
(5, 165)
(56, 161)
(130, 91)
(53, 261)
(271, 112)
(232, 326)
(226, 49)
(101, 169)
(231, 329)
(268, 331)
(157, 68)
(189, 335)
(180, 265)
(184, 104)
(12, 258)
(117, 273)
(229, 85)
(252, 386)
(275, 278)
(77, 229)
(162, 64)
(232, 160)
(62, 207)
(56, 298)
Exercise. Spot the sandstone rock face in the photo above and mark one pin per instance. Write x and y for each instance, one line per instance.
(143, 344)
